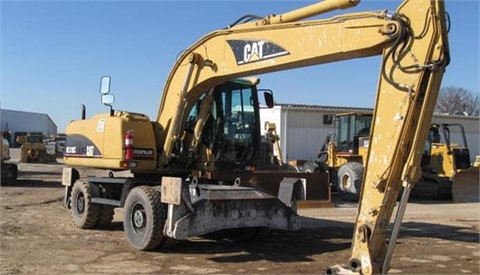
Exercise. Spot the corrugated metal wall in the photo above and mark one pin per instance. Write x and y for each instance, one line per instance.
(302, 130)
(306, 133)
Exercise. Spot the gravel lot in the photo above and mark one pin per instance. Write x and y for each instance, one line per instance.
(37, 237)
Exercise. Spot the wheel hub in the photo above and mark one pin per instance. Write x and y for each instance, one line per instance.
(138, 217)
(345, 182)
(80, 204)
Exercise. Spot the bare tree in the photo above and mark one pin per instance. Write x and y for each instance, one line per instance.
(456, 100)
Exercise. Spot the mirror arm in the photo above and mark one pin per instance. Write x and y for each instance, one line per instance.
(112, 112)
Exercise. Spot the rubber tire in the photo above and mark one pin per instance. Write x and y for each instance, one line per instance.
(23, 154)
(42, 156)
(9, 173)
(144, 234)
(349, 181)
(85, 214)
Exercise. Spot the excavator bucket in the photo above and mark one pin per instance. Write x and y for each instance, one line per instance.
(465, 185)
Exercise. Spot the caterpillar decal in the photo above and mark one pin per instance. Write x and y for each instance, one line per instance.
(80, 146)
(248, 51)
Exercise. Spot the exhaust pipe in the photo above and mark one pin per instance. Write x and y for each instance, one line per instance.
(83, 112)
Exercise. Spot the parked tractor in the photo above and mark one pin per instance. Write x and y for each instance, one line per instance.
(33, 149)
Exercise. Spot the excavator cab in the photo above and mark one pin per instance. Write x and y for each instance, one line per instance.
(231, 132)
(353, 130)
(446, 150)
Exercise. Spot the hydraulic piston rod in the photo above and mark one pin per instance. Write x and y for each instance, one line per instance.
(312, 10)
(302, 13)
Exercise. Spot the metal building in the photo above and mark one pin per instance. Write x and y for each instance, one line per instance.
(20, 122)
(303, 128)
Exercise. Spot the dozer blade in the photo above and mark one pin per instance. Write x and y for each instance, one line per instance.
(465, 186)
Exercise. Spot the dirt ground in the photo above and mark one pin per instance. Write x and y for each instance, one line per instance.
(37, 237)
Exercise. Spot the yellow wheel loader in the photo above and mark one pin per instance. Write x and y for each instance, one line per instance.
(32, 148)
(194, 165)
(345, 157)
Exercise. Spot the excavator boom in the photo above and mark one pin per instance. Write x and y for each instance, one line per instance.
(404, 107)
(249, 50)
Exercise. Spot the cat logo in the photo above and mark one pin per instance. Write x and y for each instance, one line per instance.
(248, 51)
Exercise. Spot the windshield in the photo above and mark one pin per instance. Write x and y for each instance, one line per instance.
(231, 128)
(350, 129)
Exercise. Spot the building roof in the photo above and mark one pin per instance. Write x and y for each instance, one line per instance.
(26, 121)
(27, 113)
(337, 109)
(306, 107)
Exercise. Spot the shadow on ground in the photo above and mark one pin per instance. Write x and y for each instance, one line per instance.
(300, 246)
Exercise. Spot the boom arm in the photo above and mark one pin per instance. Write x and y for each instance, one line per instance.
(413, 42)
(246, 50)
(401, 123)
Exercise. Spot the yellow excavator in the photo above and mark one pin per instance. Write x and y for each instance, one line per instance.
(193, 166)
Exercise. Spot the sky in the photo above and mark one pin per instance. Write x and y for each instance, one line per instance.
(53, 53)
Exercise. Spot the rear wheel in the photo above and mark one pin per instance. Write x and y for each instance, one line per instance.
(144, 218)
(85, 214)
(349, 181)
(42, 156)
(23, 154)
(9, 173)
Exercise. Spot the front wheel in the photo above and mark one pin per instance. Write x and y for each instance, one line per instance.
(144, 218)
(24, 154)
(85, 214)
(349, 181)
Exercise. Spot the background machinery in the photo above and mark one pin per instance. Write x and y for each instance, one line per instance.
(466, 185)
(193, 166)
(9, 169)
(345, 157)
(445, 154)
(33, 148)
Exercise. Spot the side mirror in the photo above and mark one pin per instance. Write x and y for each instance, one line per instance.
(108, 99)
(268, 95)
(105, 85)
